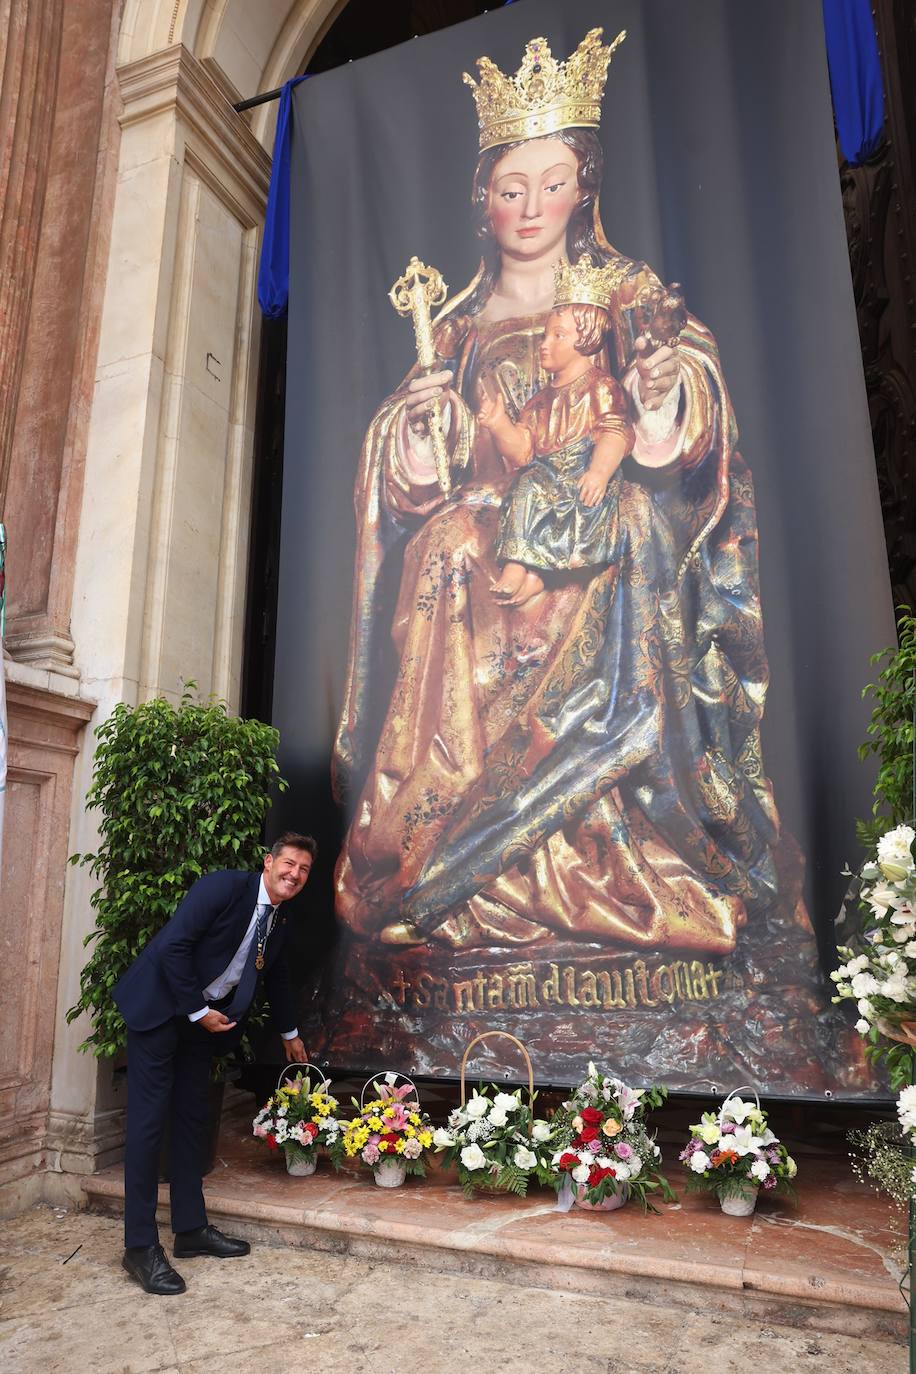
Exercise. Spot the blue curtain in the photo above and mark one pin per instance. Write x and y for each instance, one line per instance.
(855, 77)
(858, 107)
(273, 271)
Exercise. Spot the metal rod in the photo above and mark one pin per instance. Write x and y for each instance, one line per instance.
(240, 105)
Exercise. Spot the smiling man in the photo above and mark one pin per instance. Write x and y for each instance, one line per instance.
(184, 999)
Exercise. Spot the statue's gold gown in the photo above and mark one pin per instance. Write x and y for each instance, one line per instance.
(585, 768)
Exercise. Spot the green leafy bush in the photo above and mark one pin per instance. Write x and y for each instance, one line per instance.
(181, 792)
(891, 732)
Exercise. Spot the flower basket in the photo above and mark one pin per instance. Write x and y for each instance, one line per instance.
(493, 1138)
(390, 1173)
(740, 1201)
(299, 1119)
(609, 1204)
(733, 1154)
(603, 1152)
(389, 1133)
(881, 977)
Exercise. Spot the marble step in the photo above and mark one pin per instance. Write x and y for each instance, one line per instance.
(830, 1264)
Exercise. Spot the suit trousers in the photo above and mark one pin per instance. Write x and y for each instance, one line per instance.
(168, 1074)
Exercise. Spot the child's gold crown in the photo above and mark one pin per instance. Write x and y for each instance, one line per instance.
(544, 95)
(582, 283)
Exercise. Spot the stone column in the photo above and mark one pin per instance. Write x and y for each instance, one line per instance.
(58, 357)
(28, 92)
(163, 538)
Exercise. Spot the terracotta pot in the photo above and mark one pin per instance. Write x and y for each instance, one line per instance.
(610, 1203)
(390, 1173)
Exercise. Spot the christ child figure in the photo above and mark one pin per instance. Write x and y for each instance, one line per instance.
(569, 441)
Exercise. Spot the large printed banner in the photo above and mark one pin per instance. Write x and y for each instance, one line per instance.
(575, 609)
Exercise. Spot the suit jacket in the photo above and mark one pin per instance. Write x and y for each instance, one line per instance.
(169, 975)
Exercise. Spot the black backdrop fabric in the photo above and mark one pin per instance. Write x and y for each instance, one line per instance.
(720, 172)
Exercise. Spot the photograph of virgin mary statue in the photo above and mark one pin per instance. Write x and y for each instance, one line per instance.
(558, 816)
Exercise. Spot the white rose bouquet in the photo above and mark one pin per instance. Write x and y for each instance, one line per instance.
(489, 1139)
(880, 976)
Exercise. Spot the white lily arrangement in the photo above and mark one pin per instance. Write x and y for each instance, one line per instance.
(495, 1143)
(733, 1149)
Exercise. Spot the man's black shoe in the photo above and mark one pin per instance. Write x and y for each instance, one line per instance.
(149, 1266)
(206, 1240)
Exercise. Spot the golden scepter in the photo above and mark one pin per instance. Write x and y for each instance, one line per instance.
(414, 294)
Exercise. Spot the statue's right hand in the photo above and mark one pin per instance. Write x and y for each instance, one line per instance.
(492, 411)
(421, 393)
(215, 1021)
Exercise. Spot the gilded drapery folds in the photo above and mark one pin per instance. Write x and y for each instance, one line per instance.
(586, 767)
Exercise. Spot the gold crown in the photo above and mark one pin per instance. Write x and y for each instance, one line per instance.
(544, 95)
(582, 283)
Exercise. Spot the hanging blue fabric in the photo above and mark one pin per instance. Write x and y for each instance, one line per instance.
(855, 77)
(273, 271)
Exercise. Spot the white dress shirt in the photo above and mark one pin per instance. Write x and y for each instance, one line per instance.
(231, 977)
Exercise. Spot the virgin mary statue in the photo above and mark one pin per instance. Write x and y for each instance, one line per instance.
(585, 767)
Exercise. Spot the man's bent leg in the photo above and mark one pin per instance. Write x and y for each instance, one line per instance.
(189, 1122)
(150, 1067)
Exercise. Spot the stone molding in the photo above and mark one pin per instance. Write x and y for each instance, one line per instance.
(174, 80)
(78, 1144)
(44, 648)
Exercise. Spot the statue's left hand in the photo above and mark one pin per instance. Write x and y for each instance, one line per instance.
(295, 1051)
(658, 372)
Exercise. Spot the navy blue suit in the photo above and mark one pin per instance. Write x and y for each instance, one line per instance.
(169, 1057)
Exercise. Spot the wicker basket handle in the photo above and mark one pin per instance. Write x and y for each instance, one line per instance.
(381, 1080)
(736, 1092)
(325, 1081)
(506, 1036)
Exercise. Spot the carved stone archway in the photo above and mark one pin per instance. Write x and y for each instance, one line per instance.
(133, 203)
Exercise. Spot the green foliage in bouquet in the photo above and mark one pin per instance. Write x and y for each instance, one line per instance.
(180, 792)
(890, 732)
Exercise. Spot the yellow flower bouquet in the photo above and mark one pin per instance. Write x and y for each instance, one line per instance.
(389, 1133)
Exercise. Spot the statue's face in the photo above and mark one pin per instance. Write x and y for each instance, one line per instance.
(558, 346)
(534, 190)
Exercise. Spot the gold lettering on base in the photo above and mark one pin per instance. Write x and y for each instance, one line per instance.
(529, 987)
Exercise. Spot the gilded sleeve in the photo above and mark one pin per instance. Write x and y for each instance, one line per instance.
(611, 410)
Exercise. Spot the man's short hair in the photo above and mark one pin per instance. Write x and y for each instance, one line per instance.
(291, 839)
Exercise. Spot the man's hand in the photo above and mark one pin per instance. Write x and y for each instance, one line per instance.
(215, 1021)
(295, 1051)
(658, 372)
